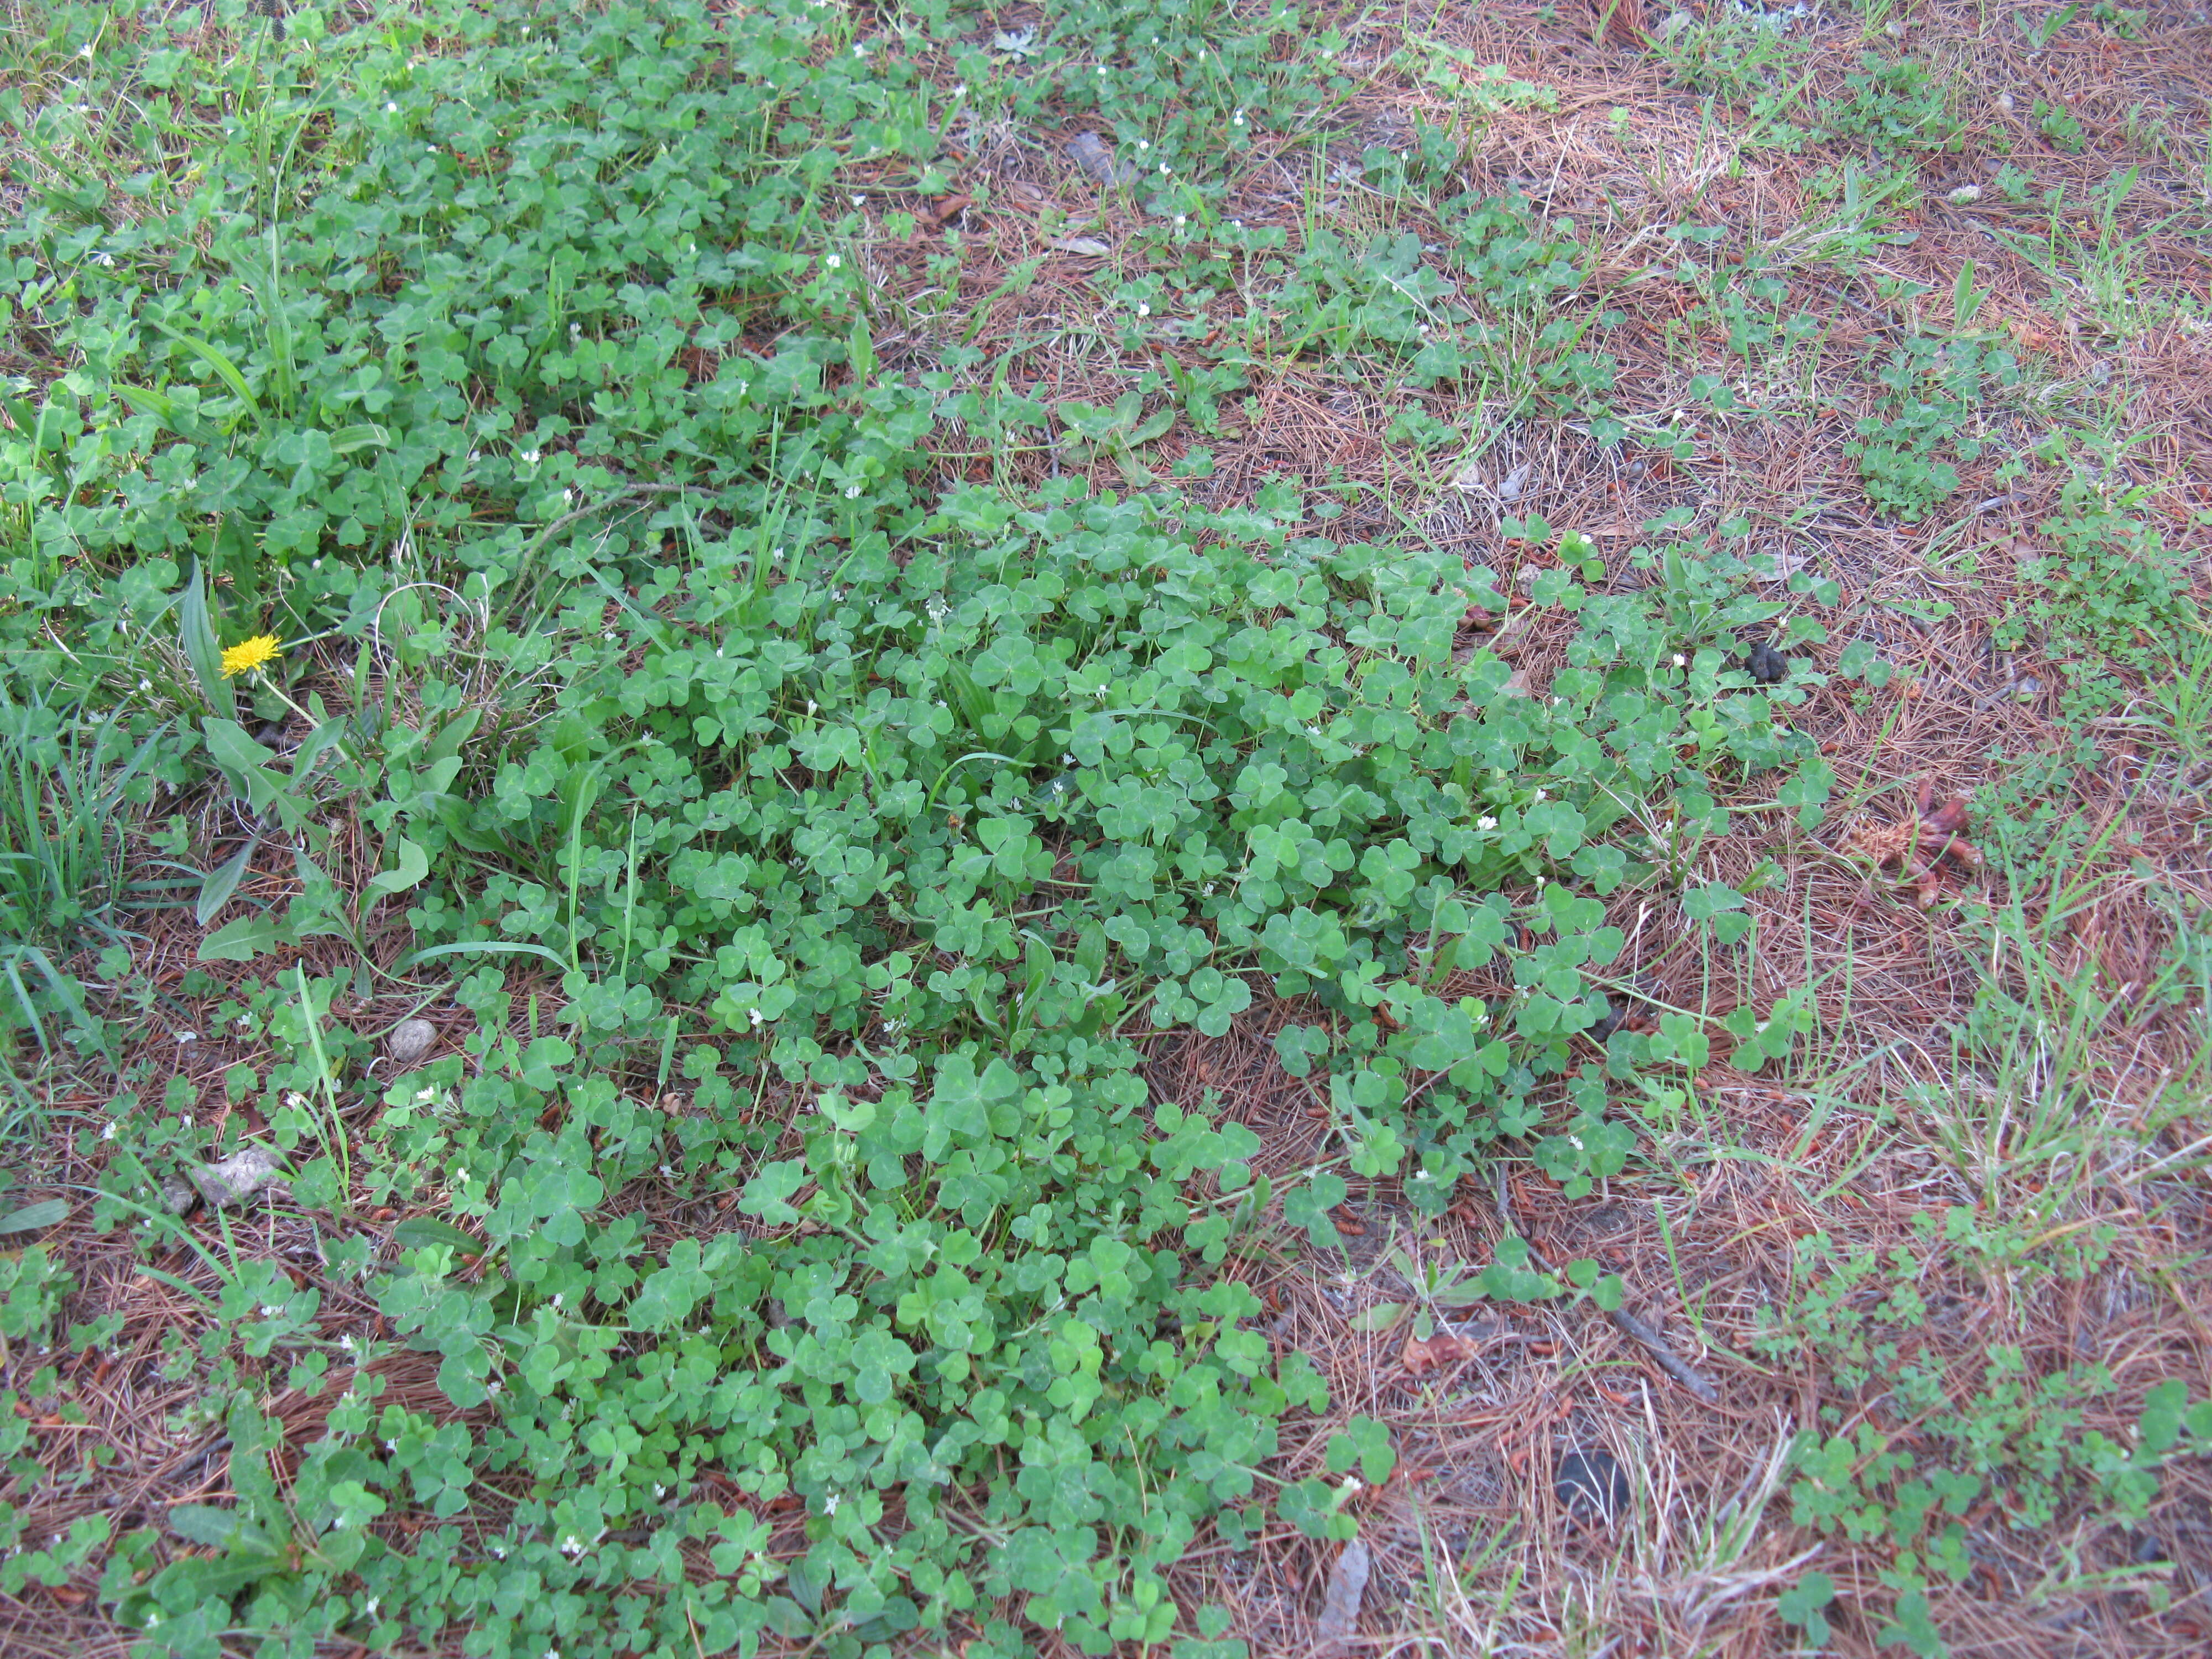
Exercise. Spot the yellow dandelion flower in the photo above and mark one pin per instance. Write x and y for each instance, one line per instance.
(249, 655)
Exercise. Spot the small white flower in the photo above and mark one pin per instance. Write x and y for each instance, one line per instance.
(667, 1174)
(575, 331)
(852, 492)
(1180, 220)
(758, 1019)
(810, 706)
(108, 1133)
(833, 262)
(1142, 144)
(1067, 760)
(295, 1100)
(391, 1445)
(145, 685)
(1165, 169)
(830, 1504)
(1543, 794)
(1485, 824)
(531, 457)
(188, 1036)
(1143, 310)
(859, 201)
(858, 50)
(1681, 661)
(572, 1544)
(188, 1120)
(1352, 1483)
(245, 1020)
(369, 1607)
(345, 1341)
(270, 1311)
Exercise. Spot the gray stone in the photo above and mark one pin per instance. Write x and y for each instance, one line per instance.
(410, 1040)
(248, 1171)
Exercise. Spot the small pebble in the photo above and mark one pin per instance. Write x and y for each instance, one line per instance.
(410, 1040)
(1592, 1485)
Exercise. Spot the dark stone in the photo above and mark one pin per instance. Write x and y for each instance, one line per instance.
(1764, 663)
(1592, 1485)
(2147, 1550)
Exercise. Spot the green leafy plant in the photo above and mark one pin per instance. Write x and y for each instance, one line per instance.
(2000, 1433)
(2111, 590)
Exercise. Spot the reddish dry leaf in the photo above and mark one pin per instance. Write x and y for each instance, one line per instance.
(1421, 1357)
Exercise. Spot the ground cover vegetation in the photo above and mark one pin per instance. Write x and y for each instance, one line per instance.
(1162, 826)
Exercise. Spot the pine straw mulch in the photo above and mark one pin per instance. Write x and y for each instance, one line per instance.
(1878, 1123)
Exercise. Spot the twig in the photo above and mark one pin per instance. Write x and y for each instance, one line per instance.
(1636, 1330)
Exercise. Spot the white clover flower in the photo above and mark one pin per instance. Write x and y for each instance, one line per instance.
(833, 262)
(1142, 144)
(188, 1120)
(391, 108)
(391, 1445)
(1543, 794)
(108, 1133)
(1485, 824)
(531, 457)
(245, 1020)
(572, 1544)
(575, 331)
(369, 1607)
(811, 705)
(860, 50)
(1165, 169)
(145, 685)
(345, 1341)
(1352, 1483)
(758, 1018)
(830, 1504)
(188, 1036)
(1143, 310)
(859, 201)
(295, 1100)
(852, 492)
(1681, 661)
